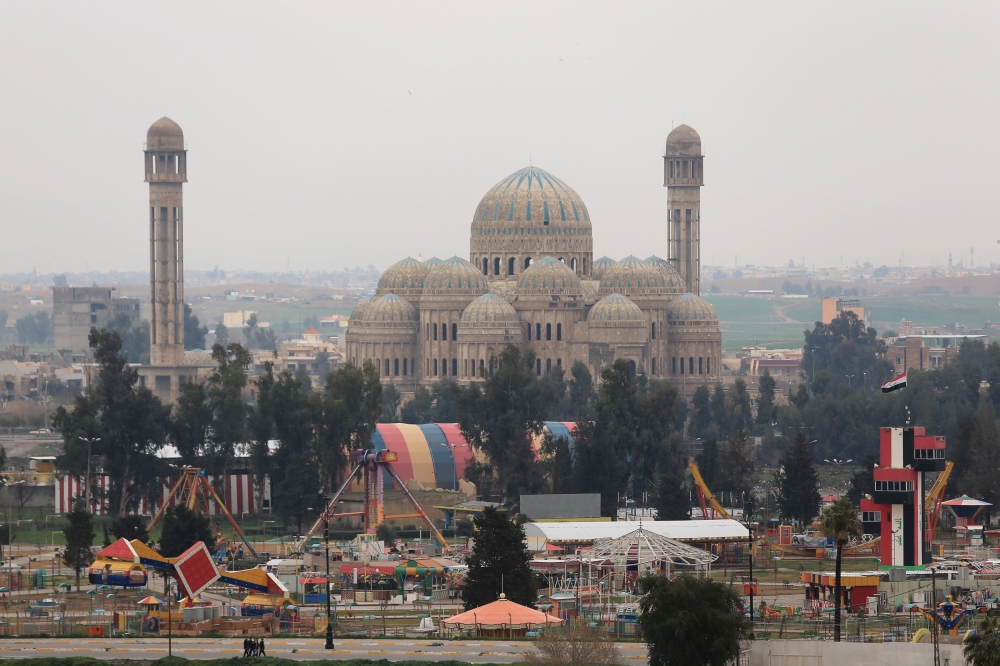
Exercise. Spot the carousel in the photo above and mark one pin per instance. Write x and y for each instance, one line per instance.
(642, 552)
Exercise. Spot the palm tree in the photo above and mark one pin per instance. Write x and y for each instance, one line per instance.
(841, 521)
(983, 647)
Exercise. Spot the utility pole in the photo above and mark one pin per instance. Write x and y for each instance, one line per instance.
(326, 535)
(934, 624)
(89, 440)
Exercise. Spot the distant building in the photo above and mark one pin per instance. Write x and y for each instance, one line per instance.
(237, 319)
(926, 352)
(833, 307)
(76, 310)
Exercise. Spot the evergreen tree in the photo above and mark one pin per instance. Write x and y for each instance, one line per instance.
(738, 411)
(765, 401)
(260, 429)
(738, 465)
(130, 527)
(221, 334)
(182, 528)
(863, 481)
(498, 563)
(581, 391)
(981, 479)
(701, 415)
(672, 494)
(194, 334)
(720, 415)
(418, 408)
(79, 535)
(390, 404)
(798, 482)
(708, 464)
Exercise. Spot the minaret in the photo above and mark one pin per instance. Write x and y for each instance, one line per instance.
(166, 171)
(683, 178)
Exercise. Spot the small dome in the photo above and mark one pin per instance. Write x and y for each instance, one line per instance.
(691, 310)
(389, 308)
(403, 276)
(633, 277)
(359, 311)
(489, 308)
(165, 134)
(601, 265)
(683, 141)
(549, 276)
(616, 310)
(455, 276)
(432, 262)
(674, 280)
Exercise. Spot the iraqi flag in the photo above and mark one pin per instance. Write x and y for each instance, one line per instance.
(895, 383)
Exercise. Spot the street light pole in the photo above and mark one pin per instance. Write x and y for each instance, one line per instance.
(326, 535)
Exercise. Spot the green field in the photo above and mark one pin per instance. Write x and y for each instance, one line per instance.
(780, 322)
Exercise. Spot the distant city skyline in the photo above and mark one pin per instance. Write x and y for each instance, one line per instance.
(855, 130)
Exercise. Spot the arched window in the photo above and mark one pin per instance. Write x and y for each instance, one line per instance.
(444, 331)
(631, 368)
(482, 365)
(558, 331)
(395, 369)
(572, 264)
(529, 332)
(559, 362)
(700, 370)
(548, 364)
(708, 369)
(538, 332)
(654, 365)
(435, 331)
(584, 266)
(404, 366)
(652, 331)
(486, 266)
(538, 366)
(548, 331)
(435, 367)
(444, 367)
(682, 365)
(691, 365)
(527, 261)
(454, 331)
(454, 367)
(386, 367)
(496, 266)
(511, 265)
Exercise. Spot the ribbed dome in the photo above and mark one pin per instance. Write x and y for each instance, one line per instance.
(489, 308)
(691, 310)
(432, 262)
(455, 276)
(549, 276)
(403, 277)
(359, 311)
(615, 310)
(165, 134)
(673, 278)
(683, 141)
(389, 308)
(531, 196)
(633, 277)
(601, 265)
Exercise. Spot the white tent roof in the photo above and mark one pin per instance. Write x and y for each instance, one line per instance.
(678, 530)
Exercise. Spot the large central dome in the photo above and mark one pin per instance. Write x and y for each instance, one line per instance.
(528, 215)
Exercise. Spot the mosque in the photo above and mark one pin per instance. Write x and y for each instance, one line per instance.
(531, 281)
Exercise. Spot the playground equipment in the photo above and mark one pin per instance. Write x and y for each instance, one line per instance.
(370, 465)
(705, 496)
(934, 500)
(947, 616)
(194, 491)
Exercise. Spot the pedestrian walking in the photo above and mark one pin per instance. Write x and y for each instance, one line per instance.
(246, 647)
(262, 653)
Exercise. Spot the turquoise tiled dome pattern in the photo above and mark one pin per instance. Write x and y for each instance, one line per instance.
(489, 308)
(615, 309)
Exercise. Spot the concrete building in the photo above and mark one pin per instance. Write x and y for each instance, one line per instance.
(833, 307)
(166, 173)
(532, 282)
(76, 310)
(926, 352)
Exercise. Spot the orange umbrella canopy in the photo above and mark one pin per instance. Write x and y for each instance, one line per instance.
(149, 601)
(503, 611)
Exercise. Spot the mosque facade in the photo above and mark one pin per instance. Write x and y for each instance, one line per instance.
(531, 280)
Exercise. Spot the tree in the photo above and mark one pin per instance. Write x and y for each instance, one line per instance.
(194, 334)
(708, 464)
(981, 479)
(260, 428)
(350, 408)
(841, 522)
(982, 647)
(739, 415)
(191, 422)
(20, 484)
(130, 527)
(578, 644)
(498, 563)
(798, 482)
(720, 415)
(135, 337)
(738, 465)
(863, 481)
(851, 353)
(390, 404)
(765, 403)
(79, 535)
(418, 408)
(130, 421)
(34, 329)
(558, 463)
(386, 533)
(701, 414)
(691, 621)
(672, 497)
(225, 399)
(581, 391)
(183, 528)
(498, 417)
(221, 334)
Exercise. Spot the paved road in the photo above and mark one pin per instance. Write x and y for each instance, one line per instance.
(474, 651)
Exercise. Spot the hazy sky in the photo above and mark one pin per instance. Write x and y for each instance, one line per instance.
(329, 134)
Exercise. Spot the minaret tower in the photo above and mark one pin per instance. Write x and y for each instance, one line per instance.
(166, 172)
(683, 178)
